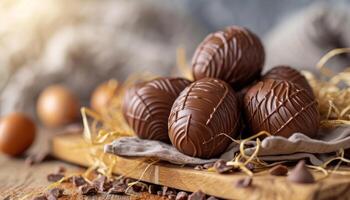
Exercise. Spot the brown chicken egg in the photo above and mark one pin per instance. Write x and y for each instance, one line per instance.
(17, 133)
(102, 95)
(57, 106)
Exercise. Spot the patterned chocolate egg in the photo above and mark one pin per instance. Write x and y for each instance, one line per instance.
(203, 118)
(147, 105)
(288, 73)
(280, 108)
(234, 55)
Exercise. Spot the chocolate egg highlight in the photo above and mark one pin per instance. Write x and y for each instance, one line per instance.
(288, 73)
(235, 55)
(146, 106)
(281, 108)
(203, 118)
(17, 133)
(57, 106)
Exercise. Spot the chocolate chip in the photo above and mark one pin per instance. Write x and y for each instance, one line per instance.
(279, 170)
(117, 189)
(56, 192)
(181, 196)
(78, 181)
(208, 165)
(54, 177)
(102, 183)
(221, 167)
(300, 174)
(212, 198)
(41, 197)
(244, 182)
(88, 190)
(199, 195)
(152, 189)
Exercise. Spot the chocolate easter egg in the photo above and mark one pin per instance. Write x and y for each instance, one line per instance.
(280, 108)
(17, 133)
(146, 106)
(235, 55)
(203, 118)
(288, 73)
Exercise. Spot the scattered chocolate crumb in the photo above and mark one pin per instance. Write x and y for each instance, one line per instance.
(139, 187)
(102, 183)
(54, 177)
(152, 189)
(212, 198)
(181, 196)
(171, 196)
(167, 191)
(244, 182)
(88, 190)
(55, 192)
(208, 165)
(41, 197)
(117, 189)
(279, 170)
(300, 174)
(221, 167)
(199, 195)
(78, 181)
(199, 167)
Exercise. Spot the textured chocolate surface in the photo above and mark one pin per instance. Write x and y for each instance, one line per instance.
(234, 55)
(280, 108)
(288, 73)
(146, 106)
(202, 112)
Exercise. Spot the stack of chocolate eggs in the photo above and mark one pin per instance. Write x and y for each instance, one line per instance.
(228, 93)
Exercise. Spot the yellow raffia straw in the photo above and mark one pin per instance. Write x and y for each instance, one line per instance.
(182, 65)
(142, 174)
(334, 100)
(322, 62)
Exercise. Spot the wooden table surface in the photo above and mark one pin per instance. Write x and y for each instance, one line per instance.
(19, 181)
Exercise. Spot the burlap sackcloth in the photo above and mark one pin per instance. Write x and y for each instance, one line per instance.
(273, 148)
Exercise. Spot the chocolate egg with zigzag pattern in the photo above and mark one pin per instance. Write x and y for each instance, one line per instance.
(204, 118)
(146, 106)
(281, 108)
(234, 55)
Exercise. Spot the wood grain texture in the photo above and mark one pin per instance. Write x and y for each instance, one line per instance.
(18, 181)
(71, 148)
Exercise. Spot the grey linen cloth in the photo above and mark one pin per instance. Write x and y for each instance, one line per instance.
(273, 148)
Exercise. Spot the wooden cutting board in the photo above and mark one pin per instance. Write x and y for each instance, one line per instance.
(72, 148)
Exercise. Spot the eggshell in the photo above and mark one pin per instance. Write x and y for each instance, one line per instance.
(57, 106)
(17, 133)
(102, 95)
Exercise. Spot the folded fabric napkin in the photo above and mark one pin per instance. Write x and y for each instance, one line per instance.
(273, 148)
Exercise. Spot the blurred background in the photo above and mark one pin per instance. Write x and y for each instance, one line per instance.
(83, 43)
